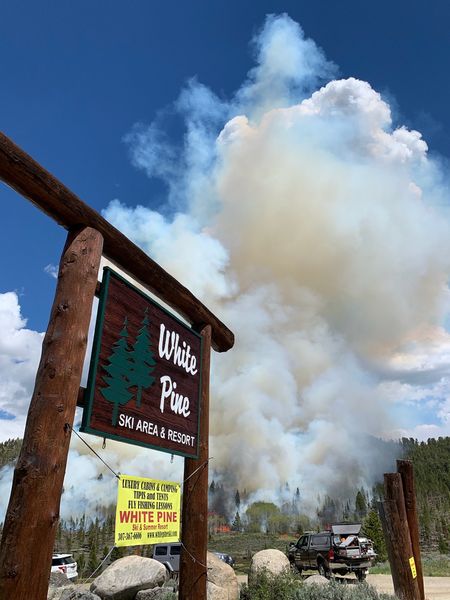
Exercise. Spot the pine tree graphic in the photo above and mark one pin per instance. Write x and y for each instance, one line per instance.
(118, 369)
(143, 361)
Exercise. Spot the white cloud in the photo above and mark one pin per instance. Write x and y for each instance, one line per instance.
(51, 270)
(20, 350)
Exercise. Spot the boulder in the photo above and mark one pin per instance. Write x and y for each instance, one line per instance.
(222, 583)
(157, 594)
(317, 580)
(70, 592)
(55, 593)
(125, 577)
(273, 562)
(58, 579)
(78, 595)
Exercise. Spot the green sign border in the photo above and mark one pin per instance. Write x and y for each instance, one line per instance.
(90, 389)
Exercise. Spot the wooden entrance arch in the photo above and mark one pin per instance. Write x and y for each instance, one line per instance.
(33, 511)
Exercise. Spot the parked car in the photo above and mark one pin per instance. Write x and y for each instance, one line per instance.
(64, 563)
(340, 550)
(169, 556)
(225, 557)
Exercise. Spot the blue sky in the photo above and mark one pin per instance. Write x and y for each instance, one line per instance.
(76, 77)
(314, 224)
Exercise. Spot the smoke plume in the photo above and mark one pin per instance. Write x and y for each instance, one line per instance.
(317, 230)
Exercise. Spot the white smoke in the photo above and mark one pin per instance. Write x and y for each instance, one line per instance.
(328, 268)
(318, 232)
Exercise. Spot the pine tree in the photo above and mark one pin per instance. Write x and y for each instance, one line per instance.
(237, 525)
(118, 552)
(143, 361)
(373, 530)
(81, 564)
(360, 504)
(93, 561)
(118, 370)
(237, 499)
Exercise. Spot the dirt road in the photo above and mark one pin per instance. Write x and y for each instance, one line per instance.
(436, 588)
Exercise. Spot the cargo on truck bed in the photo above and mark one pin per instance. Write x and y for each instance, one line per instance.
(340, 550)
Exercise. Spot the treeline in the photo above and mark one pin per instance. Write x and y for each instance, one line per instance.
(92, 541)
(9, 451)
(271, 519)
(431, 462)
(230, 510)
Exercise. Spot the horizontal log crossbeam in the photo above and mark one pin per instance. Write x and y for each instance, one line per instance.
(31, 180)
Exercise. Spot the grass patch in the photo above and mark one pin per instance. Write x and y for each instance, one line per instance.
(381, 568)
(436, 565)
(433, 565)
(290, 587)
(272, 587)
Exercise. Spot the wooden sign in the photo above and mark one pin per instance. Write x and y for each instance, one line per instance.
(144, 378)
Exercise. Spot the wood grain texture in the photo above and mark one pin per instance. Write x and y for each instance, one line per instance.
(32, 181)
(406, 470)
(33, 512)
(398, 539)
(194, 513)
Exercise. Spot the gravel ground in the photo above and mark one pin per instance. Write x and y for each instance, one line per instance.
(436, 588)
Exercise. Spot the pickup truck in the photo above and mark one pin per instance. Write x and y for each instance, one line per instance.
(340, 550)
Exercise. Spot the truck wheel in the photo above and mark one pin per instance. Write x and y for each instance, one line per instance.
(323, 570)
(361, 575)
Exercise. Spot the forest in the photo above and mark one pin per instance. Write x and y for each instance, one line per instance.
(91, 537)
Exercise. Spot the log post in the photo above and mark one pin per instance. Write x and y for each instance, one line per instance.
(33, 512)
(398, 539)
(405, 468)
(194, 516)
(382, 515)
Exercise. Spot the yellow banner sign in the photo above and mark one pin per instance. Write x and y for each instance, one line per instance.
(148, 511)
(412, 564)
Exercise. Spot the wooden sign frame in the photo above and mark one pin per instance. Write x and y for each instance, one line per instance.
(32, 517)
(119, 302)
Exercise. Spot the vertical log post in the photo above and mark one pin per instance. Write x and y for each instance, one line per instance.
(405, 468)
(382, 515)
(33, 512)
(398, 539)
(194, 529)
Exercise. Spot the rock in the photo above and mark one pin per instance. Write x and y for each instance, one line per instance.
(58, 580)
(70, 592)
(317, 580)
(125, 577)
(78, 595)
(157, 594)
(222, 582)
(56, 593)
(273, 562)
